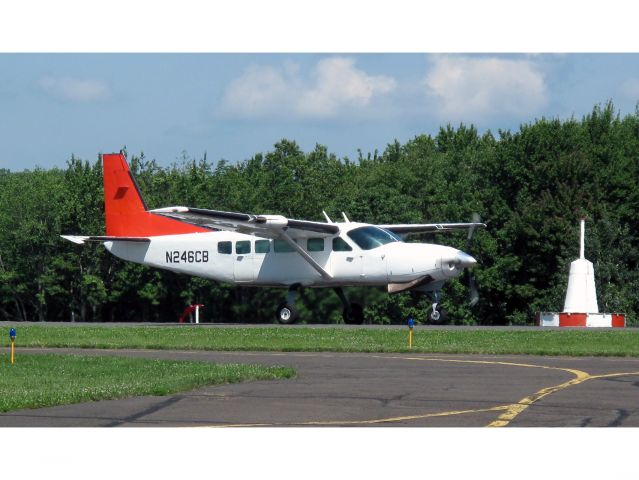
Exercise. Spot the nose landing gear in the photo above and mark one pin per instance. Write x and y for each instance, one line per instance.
(438, 314)
(435, 315)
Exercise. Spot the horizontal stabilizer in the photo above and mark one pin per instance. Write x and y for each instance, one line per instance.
(82, 239)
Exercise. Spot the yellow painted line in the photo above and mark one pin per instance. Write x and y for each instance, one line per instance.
(481, 362)
(606, 375)
(516, 408)
(512, 410)
(503, 420)
(365, 422)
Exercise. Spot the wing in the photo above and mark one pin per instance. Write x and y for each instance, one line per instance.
(82, 239)
(406, 228)
(267, 226)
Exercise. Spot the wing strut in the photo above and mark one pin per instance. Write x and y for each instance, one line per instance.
(305, 255)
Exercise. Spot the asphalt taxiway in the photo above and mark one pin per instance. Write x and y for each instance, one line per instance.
(361, 389)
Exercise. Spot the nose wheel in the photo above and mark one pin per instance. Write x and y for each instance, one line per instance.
(437, 314)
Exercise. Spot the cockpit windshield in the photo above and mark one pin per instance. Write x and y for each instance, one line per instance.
(368, 238)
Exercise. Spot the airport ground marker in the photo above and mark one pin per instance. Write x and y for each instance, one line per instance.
(12, 337)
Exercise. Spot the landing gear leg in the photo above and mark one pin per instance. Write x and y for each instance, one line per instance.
(438, 314)
(286, 312)
(353, 313)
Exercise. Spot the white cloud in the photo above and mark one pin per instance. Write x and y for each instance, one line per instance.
(259, 91)
(336, 85)
(469, 87)
(75, 90)
(339, 84)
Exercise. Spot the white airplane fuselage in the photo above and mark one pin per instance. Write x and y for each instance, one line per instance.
(259, 262)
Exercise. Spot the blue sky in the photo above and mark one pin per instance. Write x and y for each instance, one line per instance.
(235, 105)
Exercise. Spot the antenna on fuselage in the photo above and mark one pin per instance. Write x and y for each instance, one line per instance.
(345, 218)
(327, 217)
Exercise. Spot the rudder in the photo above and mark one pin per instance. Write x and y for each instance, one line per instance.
(125, 211)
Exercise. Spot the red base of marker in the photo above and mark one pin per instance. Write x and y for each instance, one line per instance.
(585, 320)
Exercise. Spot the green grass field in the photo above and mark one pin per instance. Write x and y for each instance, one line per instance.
(37, 381)
(618, 342)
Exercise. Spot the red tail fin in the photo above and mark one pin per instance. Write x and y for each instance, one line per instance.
(125, 210)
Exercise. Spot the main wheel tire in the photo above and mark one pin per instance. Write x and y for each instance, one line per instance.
(354, 315)
(286, 314)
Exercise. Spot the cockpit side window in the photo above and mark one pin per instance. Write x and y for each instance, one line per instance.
(339, 245)
(368, 238)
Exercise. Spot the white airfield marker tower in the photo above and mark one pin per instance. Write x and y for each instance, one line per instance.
(580, 306)
(581, 295)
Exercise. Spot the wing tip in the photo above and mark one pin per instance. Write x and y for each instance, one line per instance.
(77, 239)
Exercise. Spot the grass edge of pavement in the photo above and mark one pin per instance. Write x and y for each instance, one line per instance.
(614, 342)
(45, 380)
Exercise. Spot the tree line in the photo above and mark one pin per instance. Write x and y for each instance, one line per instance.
(530, 186)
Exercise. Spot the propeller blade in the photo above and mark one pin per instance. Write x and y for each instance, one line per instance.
(469, 279)
(473, 292)
(471, 231)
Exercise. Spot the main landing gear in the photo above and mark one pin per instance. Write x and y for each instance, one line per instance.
(286, 314)
(353, 313)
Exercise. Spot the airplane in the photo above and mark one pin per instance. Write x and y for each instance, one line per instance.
(275, 251)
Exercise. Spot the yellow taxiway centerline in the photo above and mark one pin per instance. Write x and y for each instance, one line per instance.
(365, 422)
(510, 411)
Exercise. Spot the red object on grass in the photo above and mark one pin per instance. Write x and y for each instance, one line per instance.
(189, 310)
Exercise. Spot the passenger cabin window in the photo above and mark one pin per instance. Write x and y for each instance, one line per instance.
(224, 247)
(368, 238)
(262, 246)
(243, 247)
(340, 245)
(315, 245)
(282, 246)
